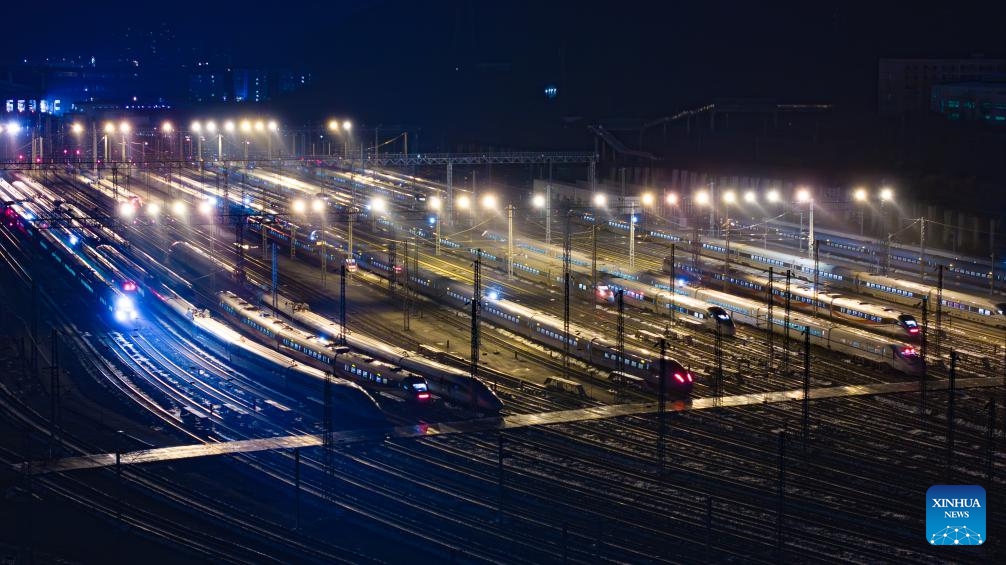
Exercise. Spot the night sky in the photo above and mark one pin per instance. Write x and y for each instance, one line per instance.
(419, 62)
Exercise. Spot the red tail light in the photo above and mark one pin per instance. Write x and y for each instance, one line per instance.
(913, 330)
(689, 376)
(679, 378)
(423, 396)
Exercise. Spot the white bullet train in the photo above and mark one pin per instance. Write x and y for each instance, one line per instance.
(376, 375)
(875, 349)
(686, 309)
(448, 383)
(584, 344)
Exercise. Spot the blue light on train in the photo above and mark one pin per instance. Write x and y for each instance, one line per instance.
(73, 239)
(493, 294)
(124, 309)
(433, 220)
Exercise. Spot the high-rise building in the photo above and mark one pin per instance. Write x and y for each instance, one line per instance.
(208, 84)
(975, 101)
(251, 85)
(904, 86)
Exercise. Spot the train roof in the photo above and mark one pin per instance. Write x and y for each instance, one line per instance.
(924, 289)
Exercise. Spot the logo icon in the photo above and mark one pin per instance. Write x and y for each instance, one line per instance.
(955, 515)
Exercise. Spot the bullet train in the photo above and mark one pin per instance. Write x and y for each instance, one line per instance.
(971, 307)
(832, 305)
(448, 383)
(585, 344)
(352, 406)
(875, 349)
(457, 388)
(686, 309)
(117, 297)
(966, 305)
(968, 270)
(373, 374)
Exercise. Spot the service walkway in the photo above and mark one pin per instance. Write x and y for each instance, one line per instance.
(483, 424)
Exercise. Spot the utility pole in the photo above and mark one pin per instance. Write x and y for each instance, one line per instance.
(673, 286)
(806, 384)
(620, 332)
(939, 313)
(662, 405)
(632, 236)
(473, 367)
(770, 322)
(342, 304)
(548, 210)
(951, 426)
(405, 301)
(565, 297)
(787, 306)
(922, 249)
(922, 350)
(817, 273)
(509, 241)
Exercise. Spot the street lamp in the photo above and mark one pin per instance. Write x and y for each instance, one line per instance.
(703, 199)
(124, 129)
(435, 205)
(197, 129)
(77, 130)
(109, 130)
(246, 128)
(886, 195)
(860, 196)
(509, 240)
(542, 201)
(466, 202)
(804, 196)
(272, 126)
(347, 126)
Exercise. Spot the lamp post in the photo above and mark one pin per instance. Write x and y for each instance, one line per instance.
(860, 197)
(229, 127)
(246, 128)
(435, 205)
(272, 127)
(600, 200)
(211, 128)
(167, 129)
(77, 130)
(804, 196)
(729, 197)
(672, 200)
(509, 241)
(632, 236)
(197, 129)
(886, 195)
(124, 130)
(109, 130)
(347, 127)
(540, 201)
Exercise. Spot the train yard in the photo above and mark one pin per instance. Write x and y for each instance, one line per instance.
(798, 481)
